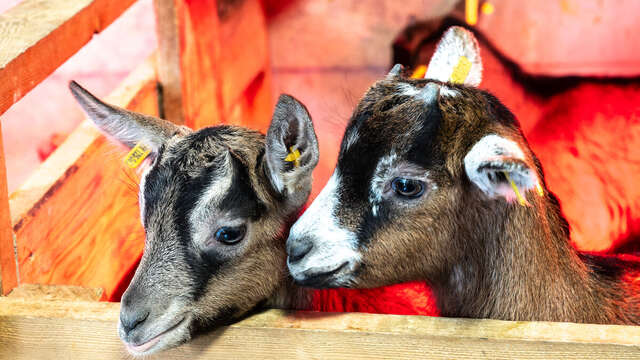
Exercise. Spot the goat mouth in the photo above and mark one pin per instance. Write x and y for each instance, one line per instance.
(323, 279)
(149, 344)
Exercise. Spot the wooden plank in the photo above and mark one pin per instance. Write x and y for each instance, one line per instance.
(46, 29)
(56, 292)
(188, 42)
(246, 75)
(76, 218)
(36, 330)
(255, 105)
(72, 310)
(219, 75)
(8, 271)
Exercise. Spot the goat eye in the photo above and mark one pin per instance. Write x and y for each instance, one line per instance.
(229, 235)
(407, 187)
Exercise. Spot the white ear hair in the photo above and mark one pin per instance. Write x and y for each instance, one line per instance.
(496, 165)
(291, 150)
(457, 51)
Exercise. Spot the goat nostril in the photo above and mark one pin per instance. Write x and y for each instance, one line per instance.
(131, 319)
(298, 251)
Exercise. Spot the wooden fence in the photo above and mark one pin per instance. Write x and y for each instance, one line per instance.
(71, 223)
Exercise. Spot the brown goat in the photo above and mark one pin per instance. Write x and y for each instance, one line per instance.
(435, 181)
(571, 123)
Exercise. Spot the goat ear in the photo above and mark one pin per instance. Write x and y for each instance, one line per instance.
(456, 59)
(499, 168)
(291, 150)
(126, 127)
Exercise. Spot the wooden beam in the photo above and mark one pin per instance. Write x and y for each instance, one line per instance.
(8, 271)
(85, 330)
(214, 70)
(76, 218)
(246, 75)
(53, 30)
(189, 47)
(56, 292)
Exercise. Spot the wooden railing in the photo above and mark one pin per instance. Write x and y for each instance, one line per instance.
(74, 221)
(86, 330)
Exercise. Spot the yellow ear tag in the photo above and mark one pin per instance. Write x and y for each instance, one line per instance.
(419, 72)
(519, 196)
(135, 157)
(461, 71)
(294, 156)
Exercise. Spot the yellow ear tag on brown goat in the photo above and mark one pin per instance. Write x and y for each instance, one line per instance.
(461, 71)
(135, 157)
(521, 199)
(294, 156)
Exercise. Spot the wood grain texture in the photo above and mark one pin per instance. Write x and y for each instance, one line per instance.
(36, 330)
(56, 293)
(76, 218)
(255, 107)
(46, 29)
(189, 48)
(214, 70)
(244, 60)
(168, 60)
(8, 271)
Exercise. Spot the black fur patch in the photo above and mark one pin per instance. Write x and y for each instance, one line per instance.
(241, 200)
(178, 182)
(609, 266)
(383, 119)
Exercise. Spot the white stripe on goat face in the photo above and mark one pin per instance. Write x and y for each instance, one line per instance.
(210, 200)
(333, 245)
(143, 182)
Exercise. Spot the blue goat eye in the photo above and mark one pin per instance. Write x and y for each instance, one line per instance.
(230, 235)
(409, 188)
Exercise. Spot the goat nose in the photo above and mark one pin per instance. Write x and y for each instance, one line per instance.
(131, 318)
(298, 249)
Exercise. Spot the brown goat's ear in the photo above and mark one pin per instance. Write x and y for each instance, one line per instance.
(126, 127)
(499, 168)
(291, 150)
(456, 59)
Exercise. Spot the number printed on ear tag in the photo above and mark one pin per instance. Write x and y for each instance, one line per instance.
(135, 157)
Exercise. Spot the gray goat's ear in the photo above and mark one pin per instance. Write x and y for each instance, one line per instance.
(125, 126)
(395, 71)
(291, 150)
(456, 59)
(499, 168)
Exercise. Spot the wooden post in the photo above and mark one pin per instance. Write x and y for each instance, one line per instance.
(8, 269)
(246, 75)
(188, 52)
(213, 63)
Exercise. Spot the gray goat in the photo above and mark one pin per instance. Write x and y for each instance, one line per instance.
(215, 205)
